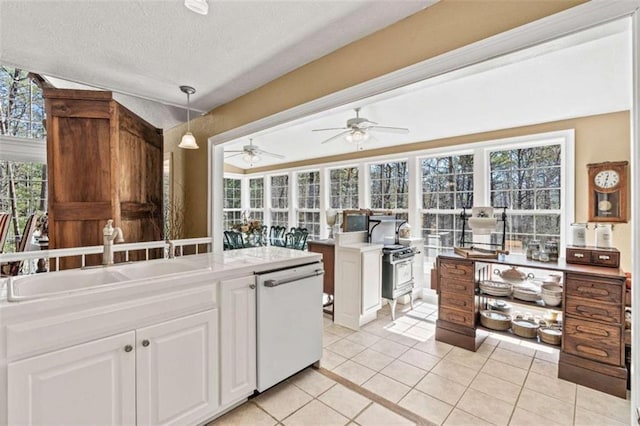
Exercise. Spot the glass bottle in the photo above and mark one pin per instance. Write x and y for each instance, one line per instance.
(533, 249)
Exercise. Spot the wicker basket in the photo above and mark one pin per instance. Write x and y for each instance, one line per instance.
(495, 320)
(525, 328)
(550, 335)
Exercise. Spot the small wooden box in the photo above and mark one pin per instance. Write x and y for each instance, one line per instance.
(594, 256)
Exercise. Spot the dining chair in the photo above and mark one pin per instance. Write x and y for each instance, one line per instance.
(13, 268)
(277, 236)
(5, 223)
(233, 240)
(297, 238)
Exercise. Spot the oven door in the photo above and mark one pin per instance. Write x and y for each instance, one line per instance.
(404, 272)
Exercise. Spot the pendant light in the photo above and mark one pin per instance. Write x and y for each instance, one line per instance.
(188, 141)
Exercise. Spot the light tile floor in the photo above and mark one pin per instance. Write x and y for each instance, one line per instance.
(506, 382)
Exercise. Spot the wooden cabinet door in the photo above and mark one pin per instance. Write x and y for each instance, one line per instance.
(177, 370)
(88, 384)
(371, 281)
(237, 339)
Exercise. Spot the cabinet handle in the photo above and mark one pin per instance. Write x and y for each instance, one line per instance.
(603, 257)
(252, 286)
(579, 255)
(128, 348)
(145, 343)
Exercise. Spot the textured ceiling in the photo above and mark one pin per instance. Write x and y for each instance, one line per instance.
(147, 48)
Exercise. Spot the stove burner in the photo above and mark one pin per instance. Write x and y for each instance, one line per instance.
(393, 247)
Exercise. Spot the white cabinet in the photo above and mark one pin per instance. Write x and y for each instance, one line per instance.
(177, 380)
(237, 339)
(358, 284)
(371, 282)
(162, 374)
(89, 384)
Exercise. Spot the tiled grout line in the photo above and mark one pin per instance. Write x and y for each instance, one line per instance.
(401, 411)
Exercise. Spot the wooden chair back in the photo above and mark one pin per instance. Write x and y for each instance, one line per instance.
(5, 223)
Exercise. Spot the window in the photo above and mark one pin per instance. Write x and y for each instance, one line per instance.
(256, 199)
(22, 105)
(390, 187)
(23, 172)
(344, 188)
(309, 202)
(528, 182)
(232, 202)
(280, 201)
(447, 187)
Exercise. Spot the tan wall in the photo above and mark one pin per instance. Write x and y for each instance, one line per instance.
(598, 138)
(448, 25)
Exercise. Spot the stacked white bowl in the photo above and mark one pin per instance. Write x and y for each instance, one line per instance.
(551, 294)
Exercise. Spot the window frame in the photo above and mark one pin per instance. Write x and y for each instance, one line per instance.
(299, 209)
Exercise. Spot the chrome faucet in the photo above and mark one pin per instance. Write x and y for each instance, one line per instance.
(171, 249)
(110, 235)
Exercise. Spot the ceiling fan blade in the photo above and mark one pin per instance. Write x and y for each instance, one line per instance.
(388, 129)
(271, 154)
(330, 128)
(338, 136)
(234, 155)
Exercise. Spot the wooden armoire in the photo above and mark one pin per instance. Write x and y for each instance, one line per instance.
(104, 162)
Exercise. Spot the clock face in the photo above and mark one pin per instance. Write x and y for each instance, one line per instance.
(607, 179)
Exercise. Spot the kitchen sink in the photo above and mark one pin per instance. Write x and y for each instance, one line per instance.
(30, 287)
(151, 269)
(42, 285)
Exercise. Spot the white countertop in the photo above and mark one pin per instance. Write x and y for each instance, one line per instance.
(229, 263)
(363, 246)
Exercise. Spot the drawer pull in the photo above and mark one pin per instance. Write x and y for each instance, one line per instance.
(604, 257)
(592, 351)
(592, 330)
(593, 291)
(591, 311)
(578, 255)
(456, 272)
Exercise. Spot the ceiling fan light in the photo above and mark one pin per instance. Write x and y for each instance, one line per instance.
(251, 158)
(188, 141)
(198, 6)
(357, 136)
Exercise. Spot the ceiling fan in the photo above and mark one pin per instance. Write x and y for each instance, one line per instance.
(252, 154)
(357, 130)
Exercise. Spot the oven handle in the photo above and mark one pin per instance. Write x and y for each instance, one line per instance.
(276, 283)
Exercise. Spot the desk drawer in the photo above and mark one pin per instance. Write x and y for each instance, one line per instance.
(456, 316)
(605, 258)
(599, 311)
(592, 340)
(457, 286)
(462, 271)
(599, 289)
(458, 301)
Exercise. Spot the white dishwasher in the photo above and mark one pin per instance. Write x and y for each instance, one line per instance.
(289, 322)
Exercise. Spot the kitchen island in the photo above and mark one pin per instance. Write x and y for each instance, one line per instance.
(160, 342)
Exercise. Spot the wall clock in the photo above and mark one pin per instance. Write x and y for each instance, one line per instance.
(608, 191)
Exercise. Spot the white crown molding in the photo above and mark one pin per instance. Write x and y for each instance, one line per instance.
(575, 19)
